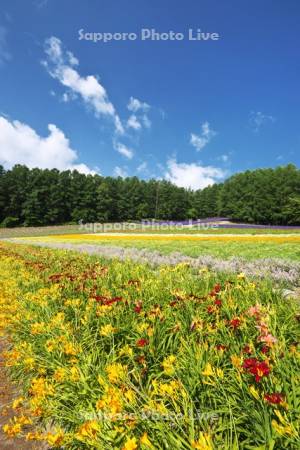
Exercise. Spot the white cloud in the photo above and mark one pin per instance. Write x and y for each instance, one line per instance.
(135, 105)
(60, 65)
(224, 158)
(192, 175)
(258, 119)
(142, 168)
(123, 150)
(119, 172)
(20, 144)
(133, 122)
(4, 53)
(146, 121)
(140, 117)
(200, 141)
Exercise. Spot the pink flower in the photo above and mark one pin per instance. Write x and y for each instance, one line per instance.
(268, 339)
(254, 311)
(262, 327)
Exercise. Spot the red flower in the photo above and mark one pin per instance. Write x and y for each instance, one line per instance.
(265, 349)
(215, 290)
(138, 308)
(250, 362)
(173, 303)
(247, 349)
(111, 301)
(274, 399)
(217, 287)
(257, 368)
(218, 302)
(221, 347)
(100, 299)
(210, 309)
(142, 342)
(235, 323)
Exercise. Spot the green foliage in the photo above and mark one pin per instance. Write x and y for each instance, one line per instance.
(10, 222)
(292, 210)
(47, 197)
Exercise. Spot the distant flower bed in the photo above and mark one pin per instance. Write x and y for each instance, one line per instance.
(116, 355)
(217, 221)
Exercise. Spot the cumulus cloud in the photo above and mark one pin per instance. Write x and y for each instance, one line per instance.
(224, 158)
(4, 53)
(199, 141)
(142, 168)
(61, 64)
(123, 150)
(133, 122)
(139, 117)
(119, 172)
(192, 175)
(135, 105)
(20, 144)
(258, 119)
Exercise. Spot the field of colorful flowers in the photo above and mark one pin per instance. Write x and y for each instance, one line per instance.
(112, 354)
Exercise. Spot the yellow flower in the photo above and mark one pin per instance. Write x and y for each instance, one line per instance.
(241, 276)
(130, 395)
(12, 430)
(130, 444)
(29, 362)
(107, 330)
(126, 351)
(88, 431)
(111, 400)
(56, 439)
(50, 345)
(18, 402)
(74, 374)
(70, 349)
(219, 373)
(208, 371)
(141, 327)
(203, 443)
(254, 392)
(282, 429)
(168, 365)
(145, 440)
(37, 328)
(59, 374)
(236, 361)
(116, 372)
(23, 420)
(34, 436)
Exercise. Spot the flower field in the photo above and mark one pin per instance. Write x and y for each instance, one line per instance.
(112, 354)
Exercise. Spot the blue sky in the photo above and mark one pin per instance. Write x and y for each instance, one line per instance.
(193, 112)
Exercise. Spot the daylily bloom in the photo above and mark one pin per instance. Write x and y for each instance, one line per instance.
(257, 368)
(142, 342)
(274, 398)
(235, 323)
(268, 339)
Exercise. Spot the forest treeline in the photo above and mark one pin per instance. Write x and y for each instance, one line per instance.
(44, 197)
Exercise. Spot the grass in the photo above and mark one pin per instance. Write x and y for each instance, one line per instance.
(38, 231)
(116, 355)
(222, 247)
